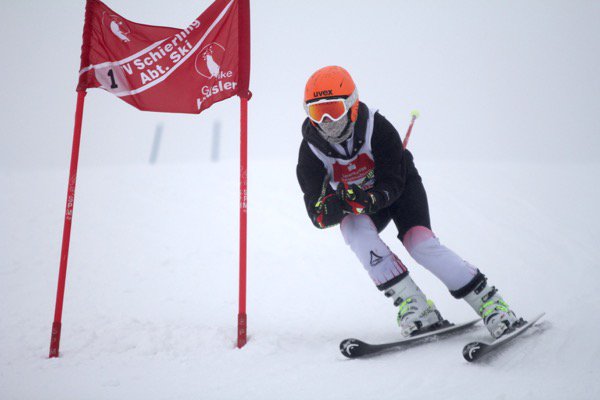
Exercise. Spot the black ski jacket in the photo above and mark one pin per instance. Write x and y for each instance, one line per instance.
(392, 163)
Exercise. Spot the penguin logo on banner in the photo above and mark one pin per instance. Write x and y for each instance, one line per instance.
(117, 27)
(208, 60)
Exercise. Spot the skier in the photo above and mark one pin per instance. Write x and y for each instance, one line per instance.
(353, 171)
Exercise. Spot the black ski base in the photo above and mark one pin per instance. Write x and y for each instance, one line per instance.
(354, 348)
(476, 350)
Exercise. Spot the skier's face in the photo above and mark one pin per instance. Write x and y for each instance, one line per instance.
(335, 131)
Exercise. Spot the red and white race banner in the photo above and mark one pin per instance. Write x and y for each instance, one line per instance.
(157, 68)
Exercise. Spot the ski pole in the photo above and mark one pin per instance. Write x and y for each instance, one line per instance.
(414, 115)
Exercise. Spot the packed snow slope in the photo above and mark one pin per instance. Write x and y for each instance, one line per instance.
(151, 296)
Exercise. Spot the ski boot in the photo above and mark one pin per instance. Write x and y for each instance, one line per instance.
(416, 315)
(497, 315)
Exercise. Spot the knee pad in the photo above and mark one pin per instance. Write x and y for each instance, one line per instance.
(415, 236)
(355, 226)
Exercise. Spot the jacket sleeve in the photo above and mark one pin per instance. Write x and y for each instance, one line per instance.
(312, 177)
(390, 162)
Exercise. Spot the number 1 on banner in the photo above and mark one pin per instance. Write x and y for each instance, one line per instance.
(113, 84)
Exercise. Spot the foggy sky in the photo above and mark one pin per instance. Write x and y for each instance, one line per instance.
(494, 80)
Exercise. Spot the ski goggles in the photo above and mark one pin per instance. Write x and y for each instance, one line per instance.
(335, 109)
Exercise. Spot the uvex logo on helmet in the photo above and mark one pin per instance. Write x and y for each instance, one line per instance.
(322, 93)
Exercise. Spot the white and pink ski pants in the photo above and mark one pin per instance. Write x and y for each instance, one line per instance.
(424, 247)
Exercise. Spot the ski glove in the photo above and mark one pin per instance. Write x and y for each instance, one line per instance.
(358, 201)
(328, 211)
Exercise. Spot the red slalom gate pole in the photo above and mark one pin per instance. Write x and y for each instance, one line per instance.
(62, 274)
(242, 318)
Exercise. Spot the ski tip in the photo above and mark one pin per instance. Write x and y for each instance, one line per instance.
(352, 348)
(473, 350)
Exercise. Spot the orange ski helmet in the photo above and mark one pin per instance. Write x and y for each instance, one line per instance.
(331, 82)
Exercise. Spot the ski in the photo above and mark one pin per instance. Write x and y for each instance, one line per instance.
(476, 350)
(354, 348)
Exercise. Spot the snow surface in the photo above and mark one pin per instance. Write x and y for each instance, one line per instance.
(151, 298)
